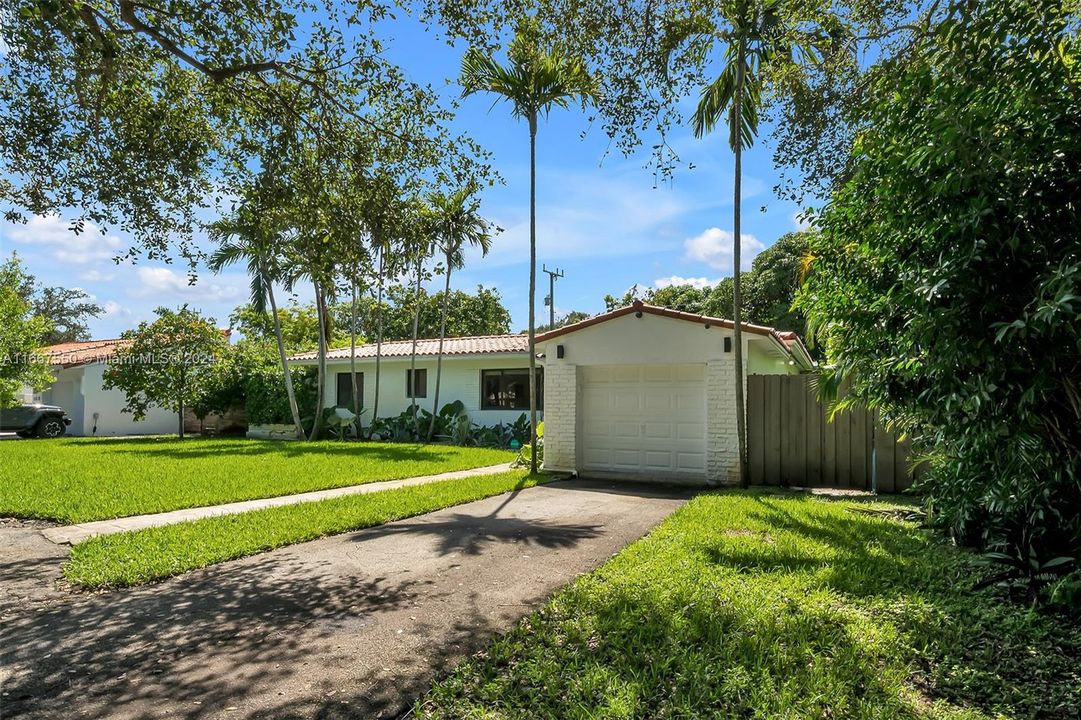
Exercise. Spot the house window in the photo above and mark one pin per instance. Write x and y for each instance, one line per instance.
(345, 390)
(509, 389)
(418, 384)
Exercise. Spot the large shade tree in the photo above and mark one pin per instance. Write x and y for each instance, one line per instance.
(946, 283)
(536, 79)
(137, 114)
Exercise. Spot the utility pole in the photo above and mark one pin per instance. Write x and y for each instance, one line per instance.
(551, 299)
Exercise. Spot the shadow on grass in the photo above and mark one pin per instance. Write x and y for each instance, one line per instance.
(241, 447)
(784, 607)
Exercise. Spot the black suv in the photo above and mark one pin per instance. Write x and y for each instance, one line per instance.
(46, 421)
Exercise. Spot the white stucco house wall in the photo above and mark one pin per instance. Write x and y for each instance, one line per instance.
(489, 374)
(644, 392)
(79, 368)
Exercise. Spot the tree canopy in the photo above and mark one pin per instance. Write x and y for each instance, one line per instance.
(945, 286)
(138, 114)
(166, 363)
(21, 331)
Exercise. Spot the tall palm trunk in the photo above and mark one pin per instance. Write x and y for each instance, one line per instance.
(321, 371)
(439, 355)
(353, 357)
(378, 341)
(290, 393)
(413, 358)
(532, 293)
(737, 296)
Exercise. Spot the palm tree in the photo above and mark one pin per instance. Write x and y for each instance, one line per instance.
(456, 224)
(420, 247)
(756, 36)
(534, 81)
(243, 238)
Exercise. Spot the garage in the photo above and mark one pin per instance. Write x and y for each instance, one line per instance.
(648, 393)
(643, 419)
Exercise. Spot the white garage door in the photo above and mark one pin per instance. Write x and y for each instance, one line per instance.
(643, 420)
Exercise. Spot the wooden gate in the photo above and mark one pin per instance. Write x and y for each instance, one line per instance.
(790, 440)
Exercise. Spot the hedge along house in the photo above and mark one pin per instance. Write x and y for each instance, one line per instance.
(489, 374)
(644, 392)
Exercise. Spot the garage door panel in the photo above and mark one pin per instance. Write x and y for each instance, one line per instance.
(657, 431)
(691, 461)
(644, 419)
(658, 460)
(690, 431)
(690, 373)
(658, 400)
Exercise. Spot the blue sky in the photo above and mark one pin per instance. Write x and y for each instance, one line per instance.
(600, 218)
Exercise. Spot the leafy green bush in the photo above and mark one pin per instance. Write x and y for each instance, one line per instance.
(946, 281)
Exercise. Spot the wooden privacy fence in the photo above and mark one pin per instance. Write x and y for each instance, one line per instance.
(790, 440)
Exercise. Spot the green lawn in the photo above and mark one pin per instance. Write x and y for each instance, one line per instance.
(746, 605)
(81, 479)
(135, 558)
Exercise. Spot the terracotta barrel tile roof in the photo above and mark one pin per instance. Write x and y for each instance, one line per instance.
(480, 345)
(82, 353)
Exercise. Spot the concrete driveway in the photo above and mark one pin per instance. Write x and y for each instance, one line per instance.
(353, 626)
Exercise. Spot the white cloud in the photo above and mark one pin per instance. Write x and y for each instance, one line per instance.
(714, 247)
(608, 212)
(96, 276)
(164, 284)
(52, 234)
(114, 309)
(698, 282)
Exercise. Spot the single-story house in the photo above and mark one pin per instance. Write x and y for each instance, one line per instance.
(489, 374)
(639, 392)
(79, 368)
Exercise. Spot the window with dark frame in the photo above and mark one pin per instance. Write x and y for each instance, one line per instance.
(509, 389)
(419, 387)
(345, 390)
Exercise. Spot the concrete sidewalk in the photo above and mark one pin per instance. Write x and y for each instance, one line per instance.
(350, 626)
(73, 534)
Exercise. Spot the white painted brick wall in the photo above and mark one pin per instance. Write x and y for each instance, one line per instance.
(722, 453)
(560, 416)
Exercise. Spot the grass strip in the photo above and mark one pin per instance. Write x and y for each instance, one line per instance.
(751, 605)
(143, 556)
(77, 480)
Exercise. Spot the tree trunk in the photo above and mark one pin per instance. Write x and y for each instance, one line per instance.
(353, 360)
(439, 356)
(321, 367)
(183, 389)
(737, 242)
(378, 340)
(290, 393)
(532, 294)
(413, 358)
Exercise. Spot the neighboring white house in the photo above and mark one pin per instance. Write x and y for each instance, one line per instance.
(489, 374)
(649, 393)
(79, 369)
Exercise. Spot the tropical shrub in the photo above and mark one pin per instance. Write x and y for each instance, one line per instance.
(945, 285)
